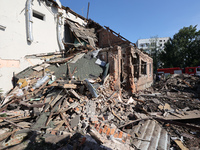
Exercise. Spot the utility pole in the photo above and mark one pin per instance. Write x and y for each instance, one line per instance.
(88, 9)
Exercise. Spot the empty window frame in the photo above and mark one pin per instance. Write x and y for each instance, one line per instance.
(142, 45)
(153, 44)
(143, 67)
(38, 15)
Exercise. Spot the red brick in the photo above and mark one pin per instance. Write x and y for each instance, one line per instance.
(108, 132)
(76, 109)
(116, 135)
(100, 130)
(95, 125)
(97, 128)
(71, 100)
(120, 134)
(104, 129)
(94, 122)
(53, 132)
(112, 131)
(128, 136)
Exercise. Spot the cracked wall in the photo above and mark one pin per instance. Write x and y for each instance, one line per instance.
(130, 68)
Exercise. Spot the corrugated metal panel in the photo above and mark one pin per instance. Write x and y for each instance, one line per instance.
(151, 136)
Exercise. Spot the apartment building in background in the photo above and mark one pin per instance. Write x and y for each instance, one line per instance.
(147, 44)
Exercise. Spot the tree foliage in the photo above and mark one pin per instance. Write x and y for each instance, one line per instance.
(183, 50)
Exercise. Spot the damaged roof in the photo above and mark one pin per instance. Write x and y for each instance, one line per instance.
(82, 32)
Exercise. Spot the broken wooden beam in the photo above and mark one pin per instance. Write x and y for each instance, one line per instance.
(61, 60)
(131, 122)
(6, 135)
(69, 71)
(13, 123)
(70, 86)
(39, 105)
(177, 123)
(66, 122)
(59, 125)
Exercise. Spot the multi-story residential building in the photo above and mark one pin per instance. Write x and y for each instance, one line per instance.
(148, 44)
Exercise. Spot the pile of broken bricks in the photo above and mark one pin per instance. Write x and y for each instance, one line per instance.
(45, 110)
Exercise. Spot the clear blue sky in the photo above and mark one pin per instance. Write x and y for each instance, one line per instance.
(138, 19)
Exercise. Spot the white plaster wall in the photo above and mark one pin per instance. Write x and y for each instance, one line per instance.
(13, 40)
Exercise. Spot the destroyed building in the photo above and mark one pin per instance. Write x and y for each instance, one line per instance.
(37, 27)
(88, 87)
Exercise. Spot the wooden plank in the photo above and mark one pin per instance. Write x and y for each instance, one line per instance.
(60, 60)
(66, 122)
(188, 115)
(177, 123)
(13, 123)
(115, 114)
(134, 122)
(180, 144)
(41, 67)
(69, 71)
(6, 135)
(77, 38)
(138, 100)
(60, 125)
(187, 83)
(70, 86)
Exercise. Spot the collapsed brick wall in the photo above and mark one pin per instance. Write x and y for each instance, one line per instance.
(129, 66)
(144, 80)
(126, 65)
(113, 57)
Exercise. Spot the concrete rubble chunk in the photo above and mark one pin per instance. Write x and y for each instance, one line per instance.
(112, 119)
(75, 121)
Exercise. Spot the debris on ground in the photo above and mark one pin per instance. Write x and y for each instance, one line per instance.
(68, 106)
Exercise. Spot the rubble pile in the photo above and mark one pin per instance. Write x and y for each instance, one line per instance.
(73, 104)
(93, 91)
(176, 101)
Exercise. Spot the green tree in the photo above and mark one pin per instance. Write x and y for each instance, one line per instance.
(183, 50)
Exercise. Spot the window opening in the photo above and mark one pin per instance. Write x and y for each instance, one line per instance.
(143, 67)
(38, 15)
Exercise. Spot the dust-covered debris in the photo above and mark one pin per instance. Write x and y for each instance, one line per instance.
(97, 94)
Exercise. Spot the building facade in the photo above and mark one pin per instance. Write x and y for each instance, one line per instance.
(34, 29)
(147, 44)
(27, 28)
